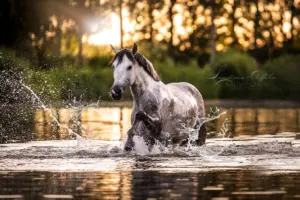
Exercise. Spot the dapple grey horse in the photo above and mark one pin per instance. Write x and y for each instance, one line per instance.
(164, 112)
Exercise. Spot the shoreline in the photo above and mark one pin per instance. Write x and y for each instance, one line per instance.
(221, 103)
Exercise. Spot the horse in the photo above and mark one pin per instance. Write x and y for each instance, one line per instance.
(164, 112)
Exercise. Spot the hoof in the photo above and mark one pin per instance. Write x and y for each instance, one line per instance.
(128, 148)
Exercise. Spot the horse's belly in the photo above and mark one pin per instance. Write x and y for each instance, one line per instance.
(183, 111)
(180, 124)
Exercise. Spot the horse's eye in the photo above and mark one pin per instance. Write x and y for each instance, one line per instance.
(129, 67)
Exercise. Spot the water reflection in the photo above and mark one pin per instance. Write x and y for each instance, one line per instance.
(35, 185)
(112, 123)
(229, 184)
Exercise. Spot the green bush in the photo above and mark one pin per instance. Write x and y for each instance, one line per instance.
(190, 73)
(232, 71)
(10, 61)
(49, 85)
(99, 61)
(92, 84)
(12, 70)
(69, 84)
(285, 82)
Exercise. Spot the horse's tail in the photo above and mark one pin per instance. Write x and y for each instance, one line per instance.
(202, 130)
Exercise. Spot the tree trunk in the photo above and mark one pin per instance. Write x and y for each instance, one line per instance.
(121, 23)
(271, 45)
(41, 52)
(293, 14)
(212, 33)
(256, 24)
(170, 16)
(58, 38)
(194, 39)
(151, 20)
(80, 48)
(234, 6)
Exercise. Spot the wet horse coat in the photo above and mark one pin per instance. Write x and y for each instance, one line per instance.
(166, 112)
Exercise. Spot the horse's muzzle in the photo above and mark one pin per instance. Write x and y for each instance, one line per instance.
(116, 93)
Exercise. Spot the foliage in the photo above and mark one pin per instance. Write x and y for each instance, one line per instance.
(285, 80)
(99, 61)
(178, 72)
(232, 71)
(232, 74)
(12, 70)
(153, 52)
(9, 60)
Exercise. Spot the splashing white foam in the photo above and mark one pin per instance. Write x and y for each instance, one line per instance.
(140, 145)
(44, 107)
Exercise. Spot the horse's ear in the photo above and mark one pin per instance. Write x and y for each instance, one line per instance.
(134, 49)
(113, 48)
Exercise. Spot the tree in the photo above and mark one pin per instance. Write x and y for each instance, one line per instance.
(170, 17)
(215, 10)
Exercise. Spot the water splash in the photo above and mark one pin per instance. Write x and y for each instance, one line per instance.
(208, 150)
(141, 148)
(45, 108)
(190, 149)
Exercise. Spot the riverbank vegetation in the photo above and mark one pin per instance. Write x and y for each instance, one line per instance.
(231, 75)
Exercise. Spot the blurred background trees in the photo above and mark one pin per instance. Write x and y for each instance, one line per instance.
(185, 33)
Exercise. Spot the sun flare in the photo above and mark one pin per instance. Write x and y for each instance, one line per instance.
(106, 35)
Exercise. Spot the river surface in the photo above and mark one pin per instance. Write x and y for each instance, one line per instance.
(251, 153)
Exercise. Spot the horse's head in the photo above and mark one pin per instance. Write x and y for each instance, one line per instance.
(125, 69)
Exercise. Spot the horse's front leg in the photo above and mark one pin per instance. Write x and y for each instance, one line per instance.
(152, 125)
(129, 145)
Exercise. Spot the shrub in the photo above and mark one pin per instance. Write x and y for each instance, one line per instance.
(232, 71)
(91, 84)
(191, 73)
(286, 82)
(10, 61)
(99, 61)
(49, 85)
(12, 70)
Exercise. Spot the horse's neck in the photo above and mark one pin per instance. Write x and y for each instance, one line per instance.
(143, 84)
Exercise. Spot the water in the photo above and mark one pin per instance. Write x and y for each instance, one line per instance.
(76, 152)
(112, 123)
(229, 184)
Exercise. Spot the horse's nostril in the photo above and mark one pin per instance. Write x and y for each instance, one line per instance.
(116, 90)
(116, 93)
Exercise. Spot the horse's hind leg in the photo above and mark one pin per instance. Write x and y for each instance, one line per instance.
(201, 135)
